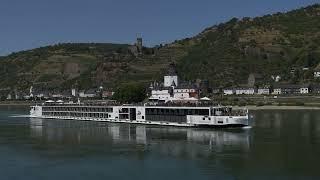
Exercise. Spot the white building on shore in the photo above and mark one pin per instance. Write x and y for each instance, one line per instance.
(161, 95)
(244, 90)
(91, 93)
(228, 91)
(263, 91)
(304, 90)
(184, 93)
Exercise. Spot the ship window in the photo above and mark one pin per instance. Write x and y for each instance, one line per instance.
(203, 118)
(171, 111)
(181, 111)
(142, 117)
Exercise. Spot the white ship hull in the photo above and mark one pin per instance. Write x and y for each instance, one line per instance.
(152, 115)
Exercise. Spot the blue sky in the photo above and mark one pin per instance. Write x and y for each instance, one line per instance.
(26, 24)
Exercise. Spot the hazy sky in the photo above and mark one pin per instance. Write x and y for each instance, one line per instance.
(26, 24)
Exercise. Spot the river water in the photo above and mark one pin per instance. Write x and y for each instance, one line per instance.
(280, 145)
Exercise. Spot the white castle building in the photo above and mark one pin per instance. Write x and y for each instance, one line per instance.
(171, 90)
(171, 81)
(162, 95)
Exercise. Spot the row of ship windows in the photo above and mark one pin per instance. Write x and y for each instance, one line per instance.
(89, 115)
(68, 114)
(80, 109)
(177, 112)
(167, 118)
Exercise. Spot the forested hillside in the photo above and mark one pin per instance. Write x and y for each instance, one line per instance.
(225, 54)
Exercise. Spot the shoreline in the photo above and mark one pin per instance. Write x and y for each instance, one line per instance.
(17, 103)
(275, 107)
(250, 107)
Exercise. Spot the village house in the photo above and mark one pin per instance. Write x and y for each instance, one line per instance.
(215, 91)
(290, 89)
(315, 88)
(57, 95)
(244, 90)
(9, 96)
(263, 91)
(41, 94)
(305, 89)
(107, 94)
(181, 93)
(185, 92)
(276, 90)
(229, 91)
(160, 95)
(91, 93)
(316, 74)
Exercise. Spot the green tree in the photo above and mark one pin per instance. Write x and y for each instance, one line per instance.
(130, 93)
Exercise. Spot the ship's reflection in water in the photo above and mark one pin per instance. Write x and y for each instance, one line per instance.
(168, 140)
(280, 145)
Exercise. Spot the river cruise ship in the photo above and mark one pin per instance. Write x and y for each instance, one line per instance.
(168, 115)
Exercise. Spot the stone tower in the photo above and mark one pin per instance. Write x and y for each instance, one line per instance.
(171, 78)
(139, 45)
(251, 80)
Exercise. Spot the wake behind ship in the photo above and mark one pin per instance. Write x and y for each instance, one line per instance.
(185, 116)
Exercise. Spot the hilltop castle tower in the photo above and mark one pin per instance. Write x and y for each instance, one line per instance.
(139, 44)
